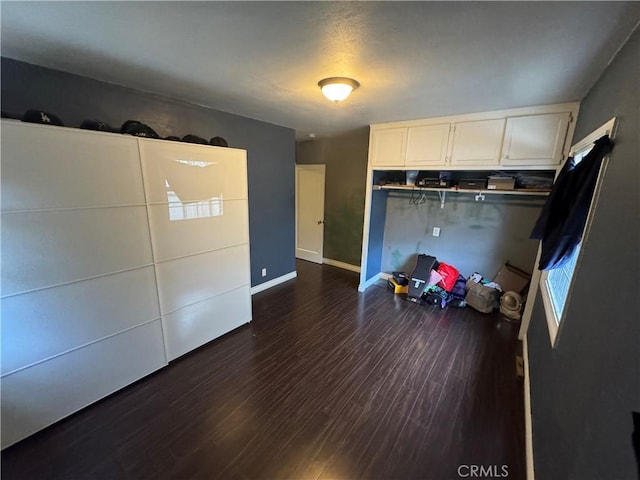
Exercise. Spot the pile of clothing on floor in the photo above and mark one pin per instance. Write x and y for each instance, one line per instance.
(439, 283)
(434, 283)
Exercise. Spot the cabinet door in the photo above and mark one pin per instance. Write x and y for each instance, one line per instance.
(477, 143)
(388, 147)
(535, 139)
(427, 145)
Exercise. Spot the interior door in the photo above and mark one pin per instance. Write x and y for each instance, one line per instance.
(310, 212)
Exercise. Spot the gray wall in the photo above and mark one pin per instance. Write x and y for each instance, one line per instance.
(583, 391)
(474, 237)
(270, 148)
(345, 157)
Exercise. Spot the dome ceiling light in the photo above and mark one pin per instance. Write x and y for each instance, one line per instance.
(337, 89)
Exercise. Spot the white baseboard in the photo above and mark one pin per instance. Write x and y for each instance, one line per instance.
(343, 265)
(528, 426)
(272, 283)
(363, 286)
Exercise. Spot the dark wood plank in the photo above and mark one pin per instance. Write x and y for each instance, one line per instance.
(325, 382)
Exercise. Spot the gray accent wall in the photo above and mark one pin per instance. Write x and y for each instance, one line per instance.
(270, 148)
(475, 236)
(584, 390)
(345, 157)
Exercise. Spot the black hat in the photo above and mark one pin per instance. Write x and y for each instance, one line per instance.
(96, 125)
(38, 116)
(194, 139)
(218, 142)
(139, 129)
(14, 116)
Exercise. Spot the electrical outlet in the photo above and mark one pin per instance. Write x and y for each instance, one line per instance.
(436, 231)
(264, 272)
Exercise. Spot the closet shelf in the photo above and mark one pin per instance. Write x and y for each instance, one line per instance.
(442, 192)
(409, 188)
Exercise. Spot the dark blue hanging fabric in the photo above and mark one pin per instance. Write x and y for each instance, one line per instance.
(564, 215)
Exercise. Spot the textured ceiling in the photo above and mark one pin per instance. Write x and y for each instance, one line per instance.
(263, 59)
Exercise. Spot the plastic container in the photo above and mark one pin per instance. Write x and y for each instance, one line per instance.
(412, 175)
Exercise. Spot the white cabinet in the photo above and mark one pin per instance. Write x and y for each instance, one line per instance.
(118, 254)
(427, 145)
(388, 147)
(516, 139)
(198, 218)
(477, 143)
(80, 316)
(535, 140)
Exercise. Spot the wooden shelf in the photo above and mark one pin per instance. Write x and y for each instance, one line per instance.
(409, 188)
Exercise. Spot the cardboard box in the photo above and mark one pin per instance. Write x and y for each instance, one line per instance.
(512, 279)
(501, 183)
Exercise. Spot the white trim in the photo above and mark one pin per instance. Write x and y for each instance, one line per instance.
(528, 419)
(586, 142)
(364, 285)
(366, 224)
(531, 297)
(553, 322)
(272, 283)
(343, 265)
(384, 276)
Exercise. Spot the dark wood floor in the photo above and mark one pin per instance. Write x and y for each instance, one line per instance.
(325, 383)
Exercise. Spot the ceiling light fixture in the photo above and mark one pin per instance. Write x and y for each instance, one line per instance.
(337, 89)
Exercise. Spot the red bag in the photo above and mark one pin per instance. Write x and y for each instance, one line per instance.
(449, 276)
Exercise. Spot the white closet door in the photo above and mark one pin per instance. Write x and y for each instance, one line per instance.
(80, 307)
(52, 321)
(186, 327)
(198, 217)
(226, 227)
(183, 173)
(38, 396)
(187, 280)
(52, 247)
(46, 167)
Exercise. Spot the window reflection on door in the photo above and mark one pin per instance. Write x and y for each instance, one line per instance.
(188, 210)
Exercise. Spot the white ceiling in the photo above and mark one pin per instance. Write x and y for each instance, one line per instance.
(263, 59)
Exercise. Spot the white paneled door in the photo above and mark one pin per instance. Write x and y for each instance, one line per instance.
(310, 212)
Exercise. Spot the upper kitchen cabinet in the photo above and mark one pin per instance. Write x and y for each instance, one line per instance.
(535, 140)
(477, 143)
(427, 145)
(388, 147)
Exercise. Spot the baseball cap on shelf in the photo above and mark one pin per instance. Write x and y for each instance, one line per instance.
(194, 139)
(218, 142)
(138, 129)
(39, 116)
(96, 125)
